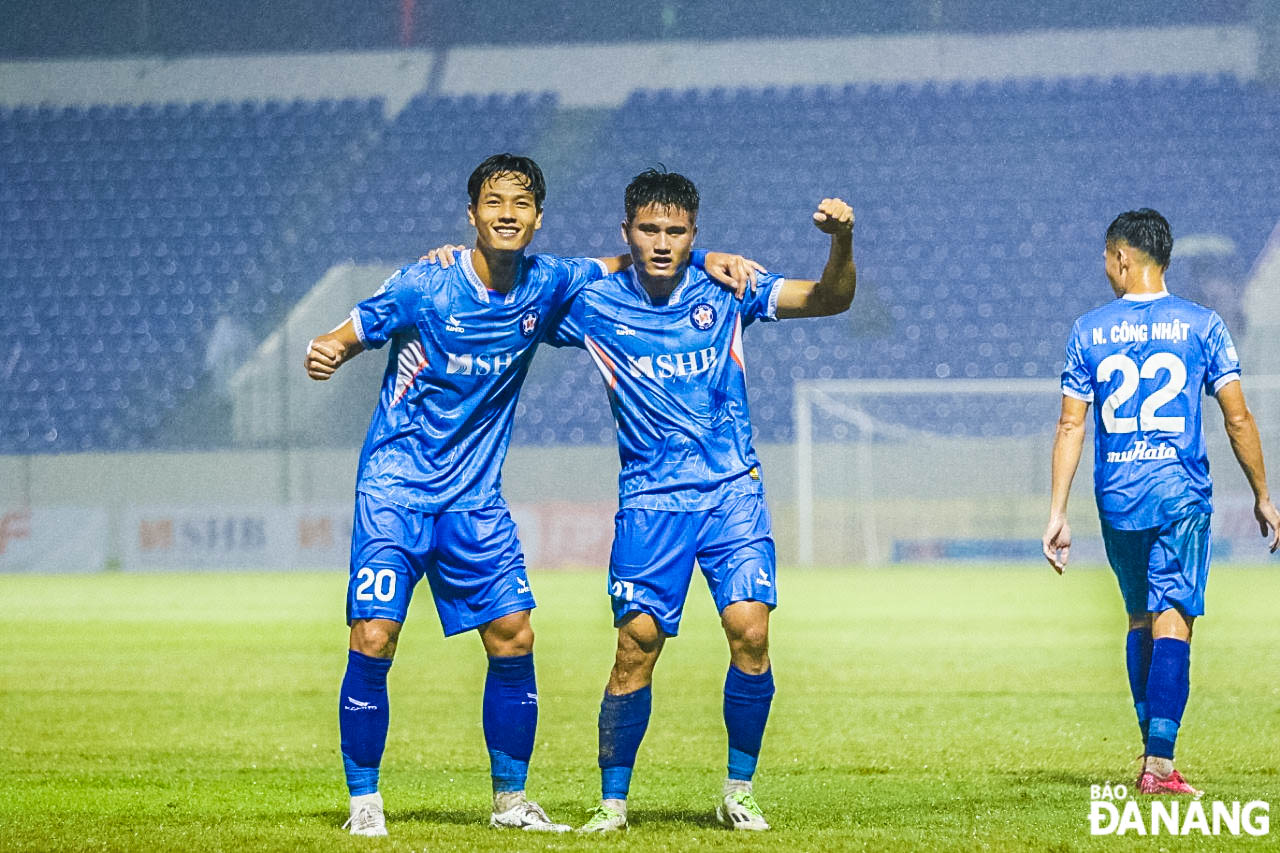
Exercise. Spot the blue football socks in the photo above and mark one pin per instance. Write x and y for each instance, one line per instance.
(1137, 655)
(1168, 685)
(746, 710)
(363, 715)
(510, 719)
(623, 720)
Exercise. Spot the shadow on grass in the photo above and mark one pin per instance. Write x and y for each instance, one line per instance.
(1055, 777)
(455, 817)
(672, 817)
(653, 818)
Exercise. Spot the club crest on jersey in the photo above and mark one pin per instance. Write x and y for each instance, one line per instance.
(703, 316)
(529, 322)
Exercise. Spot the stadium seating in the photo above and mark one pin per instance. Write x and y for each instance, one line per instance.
(981, 210)
(126, 232)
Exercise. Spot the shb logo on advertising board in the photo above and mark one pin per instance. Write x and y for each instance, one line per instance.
(1113, 812)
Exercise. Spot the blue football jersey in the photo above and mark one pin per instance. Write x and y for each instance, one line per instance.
(676, 383)
(459, 355)
(1146, 361)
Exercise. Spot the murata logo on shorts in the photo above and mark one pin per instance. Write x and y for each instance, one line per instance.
(1113, 812)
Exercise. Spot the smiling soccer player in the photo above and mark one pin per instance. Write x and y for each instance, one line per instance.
(428, 499)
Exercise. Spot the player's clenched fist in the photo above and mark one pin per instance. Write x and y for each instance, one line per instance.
(323, 358)
(833, 216)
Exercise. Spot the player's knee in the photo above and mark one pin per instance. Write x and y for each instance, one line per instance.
(375, 638)
(509, 636)
(1172, 624)
(641, 635)
(751, 639)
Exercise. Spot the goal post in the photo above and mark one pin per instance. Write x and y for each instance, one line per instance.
(921, 471)
(885, 468)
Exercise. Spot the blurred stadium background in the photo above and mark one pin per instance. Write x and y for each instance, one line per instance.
(189, 193)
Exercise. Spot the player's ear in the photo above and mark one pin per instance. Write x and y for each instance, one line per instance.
(626, 233)
(537, 222)
(471, 214)
(1124, 257)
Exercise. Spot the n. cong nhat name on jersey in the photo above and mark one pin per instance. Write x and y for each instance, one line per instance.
(1127, 333)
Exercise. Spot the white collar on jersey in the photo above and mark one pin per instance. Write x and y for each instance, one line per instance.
(469, 270)
(482, 292)
(1145, 297)
(674, 298)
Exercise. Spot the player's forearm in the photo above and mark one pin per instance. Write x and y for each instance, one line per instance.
(327, 352)
(839, 279)
(348, 347)
(1067, 447)
(1246, 444)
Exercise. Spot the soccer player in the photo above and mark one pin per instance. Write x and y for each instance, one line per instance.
(428, 500)
(668, 343)
(1148, 356)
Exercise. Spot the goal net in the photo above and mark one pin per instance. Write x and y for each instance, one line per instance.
(911, 471)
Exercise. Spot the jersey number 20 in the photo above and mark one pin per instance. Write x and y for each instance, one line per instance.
(383, 584)
(1130, 373)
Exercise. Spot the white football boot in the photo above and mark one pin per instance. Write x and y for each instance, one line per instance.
(520, 813)
(739, 810)
(609, 816)
(366, 815)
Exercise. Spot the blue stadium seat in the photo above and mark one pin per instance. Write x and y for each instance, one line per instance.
(163, 217)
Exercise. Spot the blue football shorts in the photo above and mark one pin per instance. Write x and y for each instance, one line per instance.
(470, 558)
(1162, 568)
(651, 566)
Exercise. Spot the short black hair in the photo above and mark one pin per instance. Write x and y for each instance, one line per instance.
(1145, 230)
(522, 168)
(663, 188)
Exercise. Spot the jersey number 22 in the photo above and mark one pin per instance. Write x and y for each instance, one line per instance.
(1130, 373)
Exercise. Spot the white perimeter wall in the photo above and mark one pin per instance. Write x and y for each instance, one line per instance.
(603, 75)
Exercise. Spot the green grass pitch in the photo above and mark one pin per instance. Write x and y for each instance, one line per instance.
(917, 708)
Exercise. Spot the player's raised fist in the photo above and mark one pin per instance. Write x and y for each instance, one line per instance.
(323, 358)
(833, 216)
